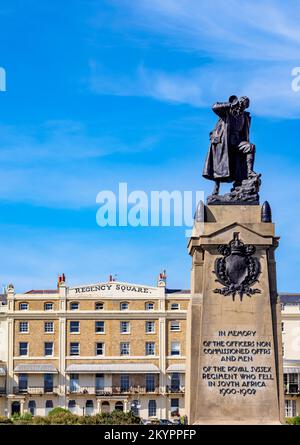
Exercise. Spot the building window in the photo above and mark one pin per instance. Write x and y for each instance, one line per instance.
(282, 327)
(23, 327)
(89, 408)
(175, 307)
(49, 327)
(74, 348)
(23, 382)
(74, 306)
(175, 326)
(152, 408)
(174, 407)
(175, 381)
(99, 382)
(48, 382)
(72, 406)
(99, 327)
(48, 306)
(49, 348)
(23, 306)
(291, 382)
(99, 348)
(282, 349)
(48, 407)
(150, 382)
(150, 327)
(135, 407)
(124, 306)
(149, 306)
(282, 306)
(175, 348)
(74, 327)
(290, 408)
(125, 327)
(124, 382)
(32, 407)
(23, 348)
(124, 348)
(119, 406)
(99, 306)
(150, 348)
(74, 382)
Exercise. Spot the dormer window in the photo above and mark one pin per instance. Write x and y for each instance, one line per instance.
(74, 306)
(23, 306)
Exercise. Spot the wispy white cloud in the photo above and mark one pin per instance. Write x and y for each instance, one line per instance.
(251, 47)
(50, 164)
(260, 29)
(60, 141)
(269, 87)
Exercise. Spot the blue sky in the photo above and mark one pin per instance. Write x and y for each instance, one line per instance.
(102, 92)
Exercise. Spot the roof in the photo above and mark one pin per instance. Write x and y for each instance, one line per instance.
(42, 291)
(289, 298)
(179, 367)
(35, 369)
(178, 291)
(137, 368)
(2, 371)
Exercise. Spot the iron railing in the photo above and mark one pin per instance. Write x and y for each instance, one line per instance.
(112, 390)
(35, 390)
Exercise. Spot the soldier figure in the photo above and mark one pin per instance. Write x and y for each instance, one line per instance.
(231, 155)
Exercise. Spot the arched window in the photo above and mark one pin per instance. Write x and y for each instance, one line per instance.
(124, 305)
(99, 306)
(119, 406)
(32, 407)
(72, 406)
(135, 407)
(48, 407)
(89, 408)
(105, 407)
(15, 408)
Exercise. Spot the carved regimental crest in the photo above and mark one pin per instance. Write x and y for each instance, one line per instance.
(238, 270)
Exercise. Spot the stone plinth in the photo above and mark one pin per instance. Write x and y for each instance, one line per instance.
(234, 350)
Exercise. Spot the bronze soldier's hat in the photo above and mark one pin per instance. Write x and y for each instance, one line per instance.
(233, 99)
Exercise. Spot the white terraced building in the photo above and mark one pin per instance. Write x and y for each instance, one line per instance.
(104, 346)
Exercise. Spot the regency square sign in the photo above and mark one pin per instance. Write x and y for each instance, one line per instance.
(111, 287)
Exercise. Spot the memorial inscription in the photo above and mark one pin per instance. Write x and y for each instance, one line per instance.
(246, 376)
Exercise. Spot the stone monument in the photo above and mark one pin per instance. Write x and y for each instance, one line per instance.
(234, 350)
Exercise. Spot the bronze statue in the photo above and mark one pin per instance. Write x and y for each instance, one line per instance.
(231, 154)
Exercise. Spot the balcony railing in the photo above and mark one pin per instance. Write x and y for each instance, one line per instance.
(35, 390)
(175, 389)
(112, 390)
